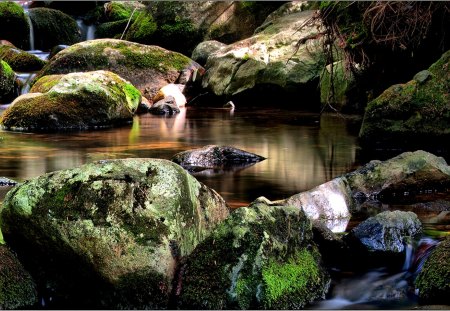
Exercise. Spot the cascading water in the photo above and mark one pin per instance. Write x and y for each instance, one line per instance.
(378, 286)
(31, 29)
(87, 31)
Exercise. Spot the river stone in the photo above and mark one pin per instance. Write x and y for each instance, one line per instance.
(20, 60)
(215, 156)
(410, 172)
(14, 25)
(387, 232)
(7, 78)
(413, 113)
(52, 27)
(267, 61)
(433, 280)
(7, 182)
(74, 101)
(17, 288)
(328, 203)
(166, 106)
(147, 67)
(261, 257)
(173, 90)
(204, 49)
(334, 202)
(115, 228)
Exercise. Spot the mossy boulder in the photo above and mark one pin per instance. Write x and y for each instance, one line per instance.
(411, 172)
(14, 25)
(433, 280)
(333, 203)
(261, 257)
(17, 288)
(20, 60)
(115, 228)
(411, 113)
(114, 17)
(267, 67)
(147, 67)
(386, 232)
(52, 27)
(7, 78)
(74, 101)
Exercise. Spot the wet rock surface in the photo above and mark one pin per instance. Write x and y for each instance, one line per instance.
(215, 156)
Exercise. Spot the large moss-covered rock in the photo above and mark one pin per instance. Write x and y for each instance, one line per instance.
(334, 202)
(75, 101)
(53, 27)
(17, 288)
(7, 78)
(433, 280)
(20, 60)
(115, 228)
(410, 171)
(148, 68)
(261, 257)
(412, 113)
(14, 25)
(267, 64)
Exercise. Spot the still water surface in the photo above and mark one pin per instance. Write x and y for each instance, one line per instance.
(301, 150)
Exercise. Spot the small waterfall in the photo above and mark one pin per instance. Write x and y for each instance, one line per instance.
(423, 250)
(90, 34)
(31, 29)
(25, 79)
(408, 257)
(87, 31)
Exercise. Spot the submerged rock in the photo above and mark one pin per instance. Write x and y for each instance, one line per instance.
(20, 60)
(215, 156)
(72, 102)
(387, 231)
(261, 257)
(147, 67)
(17, 288)
(412, 113)
(53, 27)
(7, 78)
(115, 228)
(14, 24)
(433, 280)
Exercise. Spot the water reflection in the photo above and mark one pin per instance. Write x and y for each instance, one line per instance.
(301, 152)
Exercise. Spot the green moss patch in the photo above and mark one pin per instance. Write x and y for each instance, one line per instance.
(257, 258)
